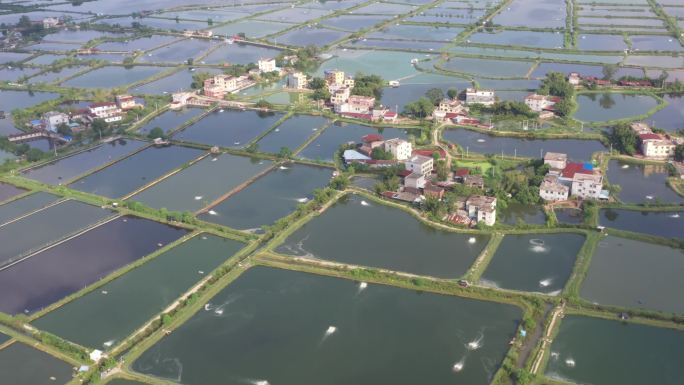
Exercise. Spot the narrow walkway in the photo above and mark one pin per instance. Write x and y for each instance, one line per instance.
(558, 313)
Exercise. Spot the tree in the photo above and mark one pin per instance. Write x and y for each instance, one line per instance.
(99, 125)
(190, 61)
(339, 182)
(564, 107)
(624, 139)
(264, 104)
(285, 153)
(452, 93)
(64, 129)
(368, 85)
(128, 61)
(317, 83)
(422, 108)
(321, 94)
(679, 153)
(156, 132)
(607, 102)
(609, 70)
(556, 84)
(379, 153)
(34, 154)
(435, 95)
(442, 170)
(198, 79)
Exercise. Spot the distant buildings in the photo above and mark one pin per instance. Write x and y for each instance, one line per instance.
(126, 102)
(484, 97)
(107, 111)
(356, 104)
(267, 65)
(220, 85)
(539, 103)
(51, 22)
(297, 81)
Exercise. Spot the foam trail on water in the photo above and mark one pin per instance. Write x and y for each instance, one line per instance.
(108, 344)
(362, 286)
(459, 365)
(545, 282)
(472, 240)
(476, 343)
(212, 212)
(328, 332)
(302, 200)
(537, 246)
(283, 168)
(198, 197)
(674, 216)
(364, 203)
(570, 362)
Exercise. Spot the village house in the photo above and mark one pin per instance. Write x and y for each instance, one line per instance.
(297, 81)
(399, 148)
(552, 190)
(574, 78)
(539, 103)
(50, 22)
(484, 97)
(482, 208)
(52, 119)
(126, 102)
(587, 185)
(556, 160)
(420, 164)
(656, 146)
(414, 180)
(267, 65)
(476, 181)
(220, 85)
(356, 104)
(107, 111)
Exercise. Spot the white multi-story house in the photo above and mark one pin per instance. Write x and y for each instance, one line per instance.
(574, 78)
(267, 65)
(420, 164)
(399, 148)
(587, 185)
(539, 103)
(482, 209)
(297, 81)
(107, 111)
(484, 97)
(551, 189)
(50, 22)
(656, 146)
(354, 104)
(53, 119)
(126, 102)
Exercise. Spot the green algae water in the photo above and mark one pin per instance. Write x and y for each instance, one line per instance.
(111, 312)
(281, 327)
(599, 351)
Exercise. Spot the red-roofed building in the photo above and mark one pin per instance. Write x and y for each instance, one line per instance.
(372, 139)
(461, 173)
(573, 168)
(539, 103)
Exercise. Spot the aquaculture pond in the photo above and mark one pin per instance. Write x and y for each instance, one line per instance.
(600, 351)
(63, 170)
(252, 28)
(143, 43)
(390, 65)
(670, 118)
(324, 146)
(270, 197)
(596, 42)
(178, 52)
(8, 191)
(415, 32)
(202, 183)
(112, 76)
(636, 274)
(135, 171)
(569, 216)
(108, 314)
(517, 212)
(170, 120)
(520, 39)
(176, 82)
(244, 332)
(119, 381)
(642, 183)
(10, 100)
(22, 364)
(36, 231)
(477, 142)
(292, 133)
(52, 76)
(603, 107)
(229, 128)
(533, 13)
(535, 262)
(22, 206)
(396, 98)
(668, 224)
(61, 270)
(488, 67)
(306, 36)
(351, 230)
(239, 54)
(353, 23)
